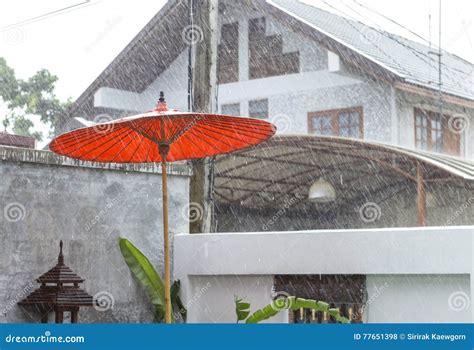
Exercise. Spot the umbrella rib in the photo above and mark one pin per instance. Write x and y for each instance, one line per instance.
(204, 140)
(230, 136)
(79, 133)
(216, 139)
(234, 128)
(92, 139)
(111, 146)
(195, 144)
(134, 152)
(74, 136)
(150, 137)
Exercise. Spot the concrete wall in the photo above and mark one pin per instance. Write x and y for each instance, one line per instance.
(45, 198)
(418, 298)
(413, 274)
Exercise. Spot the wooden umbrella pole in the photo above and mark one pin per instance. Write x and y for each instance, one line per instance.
(164, 177)
(166, 244)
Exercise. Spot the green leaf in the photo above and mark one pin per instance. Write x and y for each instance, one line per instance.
(144, 271)
(294, 303)
(242, 309)
(178, 306)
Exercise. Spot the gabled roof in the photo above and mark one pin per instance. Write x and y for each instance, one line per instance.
(160, 42)
(409, 60)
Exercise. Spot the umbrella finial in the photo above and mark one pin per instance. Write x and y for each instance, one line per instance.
(161, 106)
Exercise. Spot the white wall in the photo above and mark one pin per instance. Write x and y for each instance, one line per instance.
(412, 260)
(418, 298)
(211, 299)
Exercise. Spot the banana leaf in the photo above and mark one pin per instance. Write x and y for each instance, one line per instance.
(294, 303)
(144, 271)
(242, 309)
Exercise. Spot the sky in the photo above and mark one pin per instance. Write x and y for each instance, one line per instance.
(79, 43)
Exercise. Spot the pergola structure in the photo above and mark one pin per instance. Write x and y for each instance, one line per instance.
(286, 166)
(59, 292)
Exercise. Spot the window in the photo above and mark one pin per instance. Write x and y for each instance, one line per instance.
(228, 54)
(258, 109)
(267, 58)
(337, 122)
(433, 134)
(231, 109)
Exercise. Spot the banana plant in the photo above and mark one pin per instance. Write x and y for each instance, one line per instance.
(290, 303)
(144, 272)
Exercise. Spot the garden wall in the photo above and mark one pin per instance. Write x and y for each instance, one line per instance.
(45, 198)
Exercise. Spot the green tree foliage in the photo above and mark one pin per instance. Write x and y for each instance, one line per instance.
(24, 98)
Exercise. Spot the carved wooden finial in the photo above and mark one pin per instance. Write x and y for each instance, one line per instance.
(61, 257)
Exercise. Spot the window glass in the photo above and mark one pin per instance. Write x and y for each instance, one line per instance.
(258, 109)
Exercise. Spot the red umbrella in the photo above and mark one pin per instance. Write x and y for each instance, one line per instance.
(163, 135)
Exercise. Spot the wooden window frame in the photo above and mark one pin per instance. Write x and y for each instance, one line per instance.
(334, 114)
(450, 142)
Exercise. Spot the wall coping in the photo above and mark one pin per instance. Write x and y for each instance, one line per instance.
(415, 250)
(25, 155)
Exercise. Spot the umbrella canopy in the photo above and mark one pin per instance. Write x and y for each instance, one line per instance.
(162, 135)
(188, 135)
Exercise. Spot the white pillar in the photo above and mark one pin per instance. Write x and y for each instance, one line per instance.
(243, 50)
